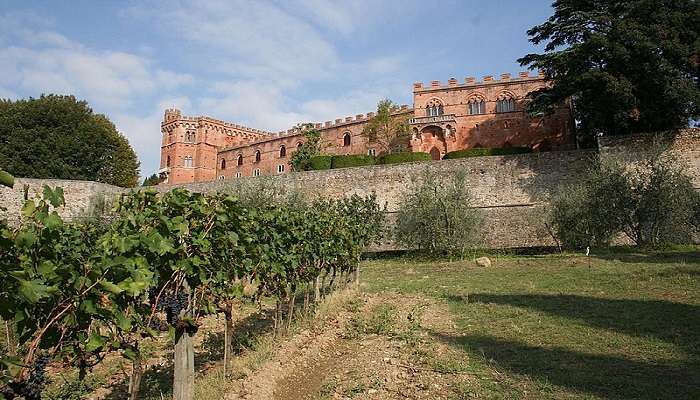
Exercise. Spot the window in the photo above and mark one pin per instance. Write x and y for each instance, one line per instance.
(257, 156)
(346, 139)
(167, 162)
(434, 108)
(190, 137)
(299, 144)
(221, 177)
(280, 168)
(256, 172)
(477, 106)
(283, 151)
(240, 159)
(188, 162)
(238, 174)
(371, 152)
(223, 163)
(505, 105)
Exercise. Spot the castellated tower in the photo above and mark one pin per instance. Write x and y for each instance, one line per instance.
(189, 145)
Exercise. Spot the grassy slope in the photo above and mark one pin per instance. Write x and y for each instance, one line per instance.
(550, 327)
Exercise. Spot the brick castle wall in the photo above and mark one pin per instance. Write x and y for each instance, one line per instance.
(441, 121)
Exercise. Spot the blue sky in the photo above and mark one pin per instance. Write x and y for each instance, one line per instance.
(264, 64)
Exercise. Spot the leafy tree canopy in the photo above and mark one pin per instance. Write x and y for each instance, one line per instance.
(387, 130)
(151, 180)
(60, 137)
(311, 147)
(628, 66)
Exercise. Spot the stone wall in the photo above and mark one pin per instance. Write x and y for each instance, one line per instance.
(80, 196)
(511, 192)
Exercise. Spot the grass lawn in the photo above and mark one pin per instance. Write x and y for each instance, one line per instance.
(551, 327)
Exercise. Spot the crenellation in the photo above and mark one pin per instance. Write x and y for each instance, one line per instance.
(440, 118)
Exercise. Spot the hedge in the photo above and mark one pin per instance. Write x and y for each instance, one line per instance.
(352, 160)
(395, 158)
(320, 162)
(477, 152)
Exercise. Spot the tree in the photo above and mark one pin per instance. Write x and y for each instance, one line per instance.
(310, 148)
(387, 130)
(434, 215)
(60, 137)
(151, 180)
(627, 66)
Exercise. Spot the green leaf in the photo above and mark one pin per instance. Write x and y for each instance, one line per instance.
(95, 342)
(55, 196)
(28, 208)
(111, 287)
(53, 221)
(33, 290)
(131, 354)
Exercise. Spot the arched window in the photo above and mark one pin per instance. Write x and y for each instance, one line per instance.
(283, 151)
(223, 163)
(188, 162)
(505, 103)
(190, 137)
(167, 162)
(240, 159)
(299, 144)
(477, 106)
(347, 139)
(256, 172)
(257, 156)
(280, 169)
(434, 108)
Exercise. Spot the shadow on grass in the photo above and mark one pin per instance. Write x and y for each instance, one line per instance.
(245, 333)
(609, 377)
(669, 257)
(676, 323)
(157, 379)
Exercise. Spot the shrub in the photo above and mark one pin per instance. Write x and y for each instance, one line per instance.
(396, 158)
(352, 160)
(478, 152)
(320, 162)
(652, 202)
(590, 213)
(434, 215)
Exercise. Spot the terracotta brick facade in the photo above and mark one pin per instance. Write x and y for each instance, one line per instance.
(444, 118)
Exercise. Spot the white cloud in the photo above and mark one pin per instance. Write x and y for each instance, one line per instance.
(251, 39)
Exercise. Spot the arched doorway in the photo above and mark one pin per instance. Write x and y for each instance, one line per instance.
(435, 153)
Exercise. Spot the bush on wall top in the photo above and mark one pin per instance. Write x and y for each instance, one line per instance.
(352, 160)
(320, 162)
(395, 158)
(477, 152)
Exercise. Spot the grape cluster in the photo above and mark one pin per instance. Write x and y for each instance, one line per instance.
(173, 304)
(32, 388)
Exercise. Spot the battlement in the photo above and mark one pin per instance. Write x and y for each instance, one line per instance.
(358, 118)
(174, 116)
(472, 81)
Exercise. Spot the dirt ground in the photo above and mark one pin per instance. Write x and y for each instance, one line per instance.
(359, 346)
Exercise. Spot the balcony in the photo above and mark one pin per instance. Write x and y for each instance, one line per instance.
(438, 119)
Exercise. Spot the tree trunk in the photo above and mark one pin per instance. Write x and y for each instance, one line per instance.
(183, 384)
(306, 298)
(357, 275)
(290, 308)
(135, 379)
(317, 289)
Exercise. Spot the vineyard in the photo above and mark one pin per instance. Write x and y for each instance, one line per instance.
(75, 293)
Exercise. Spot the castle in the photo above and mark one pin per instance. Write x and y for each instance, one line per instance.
(444, 118)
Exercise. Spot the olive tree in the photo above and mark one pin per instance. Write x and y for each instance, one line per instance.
(434, 215)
